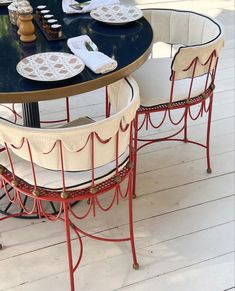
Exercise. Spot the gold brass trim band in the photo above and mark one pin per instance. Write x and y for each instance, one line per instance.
(61, 92)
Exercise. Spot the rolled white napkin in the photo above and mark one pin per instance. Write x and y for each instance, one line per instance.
(96, 61)
(93, 5)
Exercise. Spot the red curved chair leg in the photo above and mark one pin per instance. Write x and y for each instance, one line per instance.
(69, 247)
(135, 155)
(209, 170)
(135, 262)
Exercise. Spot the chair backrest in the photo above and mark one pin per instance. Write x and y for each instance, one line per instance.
(199, 36)
(78, 148)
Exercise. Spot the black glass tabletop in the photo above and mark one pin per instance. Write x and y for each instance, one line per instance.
(129, 44)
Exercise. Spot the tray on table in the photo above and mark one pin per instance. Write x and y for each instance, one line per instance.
(45, 33)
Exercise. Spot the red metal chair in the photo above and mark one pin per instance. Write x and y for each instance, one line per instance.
(75, 163)
(181, 82)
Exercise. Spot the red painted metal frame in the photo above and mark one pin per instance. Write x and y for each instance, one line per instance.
(67, 196)
(13, 111)
(205, 99)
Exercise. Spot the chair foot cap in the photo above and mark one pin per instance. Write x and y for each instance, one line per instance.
(209, 171)
(1, 247)
(134, 195)
(136, 266)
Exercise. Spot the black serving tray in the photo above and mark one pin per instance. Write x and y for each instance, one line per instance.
(45, 33)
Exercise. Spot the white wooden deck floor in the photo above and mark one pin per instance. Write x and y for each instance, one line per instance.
(184, 217)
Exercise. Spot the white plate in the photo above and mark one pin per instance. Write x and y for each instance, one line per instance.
(5, 2)
(52, 66)
(116, 14)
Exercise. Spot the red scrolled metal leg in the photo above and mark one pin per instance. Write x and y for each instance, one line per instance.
(209, 170)
(135, 263)
(69, 247)
(135, 155)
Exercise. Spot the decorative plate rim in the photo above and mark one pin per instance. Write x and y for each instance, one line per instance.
(119, 21)
(19, 70)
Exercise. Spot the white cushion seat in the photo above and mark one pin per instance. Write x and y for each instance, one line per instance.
(154, 83)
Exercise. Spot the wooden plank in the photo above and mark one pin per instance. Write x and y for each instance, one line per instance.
(174, 199)
(183, 153)
(154, 204)
(222, 127)
(211, 275)
(227, 53)
(225, 74)
(172, 262)
(197, 132)
(114, 272)
(221, 111)
(224, 85)
(35, 237)
(174, 176)
(229, 44)
(226, 63)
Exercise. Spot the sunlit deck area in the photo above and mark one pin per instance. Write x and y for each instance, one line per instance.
(183, 216)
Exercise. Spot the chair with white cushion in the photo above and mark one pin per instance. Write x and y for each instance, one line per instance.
(74, 163)
(178, 87)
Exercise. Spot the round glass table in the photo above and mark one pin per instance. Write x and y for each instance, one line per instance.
(129, 44)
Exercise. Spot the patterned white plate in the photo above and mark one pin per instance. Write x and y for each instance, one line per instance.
(117, 14)
(52, 66)
(5, 2)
